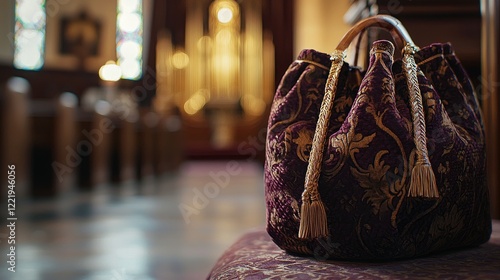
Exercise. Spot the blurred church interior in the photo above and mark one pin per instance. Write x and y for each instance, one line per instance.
(137, 127)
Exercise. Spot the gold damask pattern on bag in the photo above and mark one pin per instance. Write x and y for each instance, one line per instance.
(369, 157)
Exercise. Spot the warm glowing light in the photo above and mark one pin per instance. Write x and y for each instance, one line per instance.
(195, 103)
(110, 72)
(204, 43)
(223, 37)
(252, 105)
(180, 60)
(224, 29)
(225, 15)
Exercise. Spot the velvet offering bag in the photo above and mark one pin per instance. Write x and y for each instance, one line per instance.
(383, 164)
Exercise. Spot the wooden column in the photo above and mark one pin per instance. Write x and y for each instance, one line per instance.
(278, 17)
(490, 89)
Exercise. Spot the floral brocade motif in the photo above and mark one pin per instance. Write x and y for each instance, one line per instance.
(369, 155)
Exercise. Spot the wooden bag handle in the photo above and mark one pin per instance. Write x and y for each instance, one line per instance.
(391, 24)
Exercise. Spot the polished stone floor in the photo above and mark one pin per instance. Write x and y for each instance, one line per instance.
(137, 231)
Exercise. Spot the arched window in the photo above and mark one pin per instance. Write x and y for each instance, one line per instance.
(129, 41)
(29, 38)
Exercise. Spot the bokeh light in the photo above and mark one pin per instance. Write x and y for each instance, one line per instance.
(29, 39)
(129, 25)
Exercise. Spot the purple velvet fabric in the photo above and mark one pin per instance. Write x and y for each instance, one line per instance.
(369, 155)
(255, 256)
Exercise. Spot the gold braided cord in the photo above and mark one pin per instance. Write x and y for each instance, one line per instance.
(423, 182)
(313, 222)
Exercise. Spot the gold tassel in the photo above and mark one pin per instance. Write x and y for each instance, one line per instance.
(305, 218)
(423, 182)
(313, 222)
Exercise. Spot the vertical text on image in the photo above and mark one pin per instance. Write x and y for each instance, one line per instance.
(11, 218)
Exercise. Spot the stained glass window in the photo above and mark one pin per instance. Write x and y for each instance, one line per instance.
(29, 38)
(129, 27)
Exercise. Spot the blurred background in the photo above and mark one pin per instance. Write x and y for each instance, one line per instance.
(137, 128)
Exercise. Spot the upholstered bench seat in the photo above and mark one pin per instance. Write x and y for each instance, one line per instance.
(255, 256)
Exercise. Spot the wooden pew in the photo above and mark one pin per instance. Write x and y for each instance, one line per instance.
(42, 118)
(53, 134)
(128, 146)
(123, 148)
(169, 144)
(93, 146)
(148, 123)
(15, 134)
(65, 137)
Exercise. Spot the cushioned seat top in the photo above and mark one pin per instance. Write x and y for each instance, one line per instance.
(255, 256)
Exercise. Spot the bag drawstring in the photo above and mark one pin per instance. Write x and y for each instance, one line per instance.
(423, 181)
(313, 220)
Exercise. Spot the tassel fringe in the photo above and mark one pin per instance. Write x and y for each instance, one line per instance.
(423, 182)
(313, 222)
